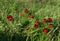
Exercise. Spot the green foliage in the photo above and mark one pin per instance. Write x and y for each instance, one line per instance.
(15, 30)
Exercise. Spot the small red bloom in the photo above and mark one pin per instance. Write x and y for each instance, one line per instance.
(51, 25)
(35, 26)
(49, 19)
(37, 22)
(45, 20)
(26, 10)
(45, 30)
(31, 16)
(10, 18)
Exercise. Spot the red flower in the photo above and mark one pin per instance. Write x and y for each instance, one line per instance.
(35, 26)
(49, 19)
(10, 18)
(26, 10)
(45, 30)
(45, 20)
(51, 25)
(31, 16)
(37, 22)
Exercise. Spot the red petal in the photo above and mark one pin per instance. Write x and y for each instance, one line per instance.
(51, 25)
(35, 26)
(45, 30)
(45, 20)
(37, 22)
(31, 16)
(49, 20)
(26, 10)
(10, 18)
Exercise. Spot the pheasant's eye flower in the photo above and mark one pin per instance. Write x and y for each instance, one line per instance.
(45, 20)
(51, 25)
(10, 18)
(45, 30)
(37, 22)
(35, 26)
(31, 16)
(49, 19)
(26, 10)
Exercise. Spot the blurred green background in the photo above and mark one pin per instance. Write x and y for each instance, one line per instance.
(11, 31)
